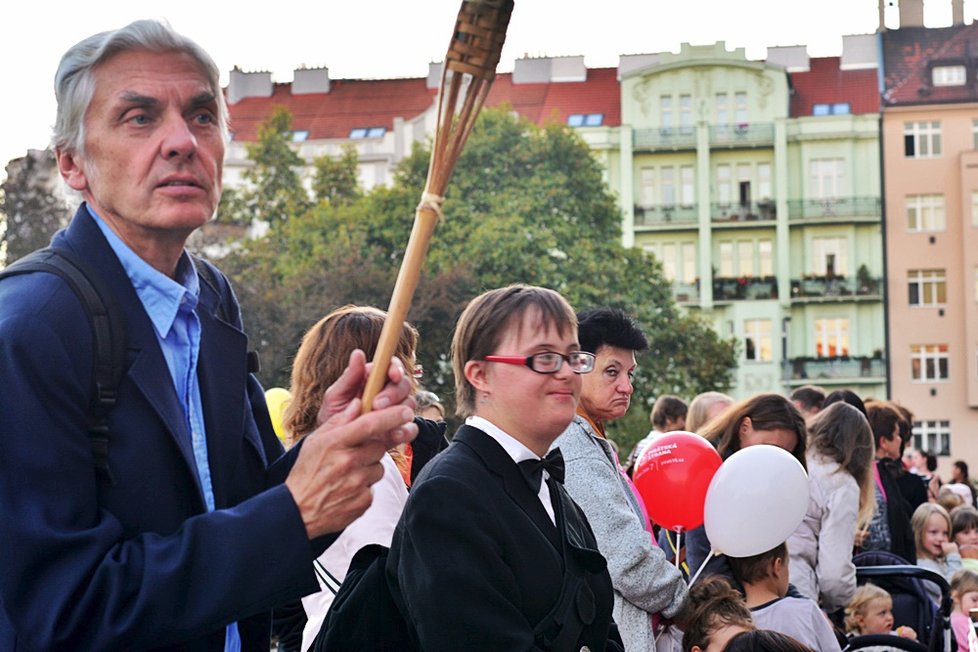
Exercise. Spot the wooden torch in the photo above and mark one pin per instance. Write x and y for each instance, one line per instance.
(468, 73)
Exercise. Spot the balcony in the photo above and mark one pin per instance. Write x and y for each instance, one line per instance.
(742, 135)
(835, 209)
(667, 138)
(753, 211)
(840, 370)
(744, 288)
(686, 292)
(816, 289)
(665, 215)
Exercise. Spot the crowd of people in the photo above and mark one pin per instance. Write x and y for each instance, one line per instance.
(372, 531)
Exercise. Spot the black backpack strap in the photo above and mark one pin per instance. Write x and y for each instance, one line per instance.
(209, 275)
(108, 332)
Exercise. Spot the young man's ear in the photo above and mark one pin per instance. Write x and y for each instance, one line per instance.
(778, 566)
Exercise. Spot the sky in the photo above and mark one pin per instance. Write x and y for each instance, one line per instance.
(394, 38)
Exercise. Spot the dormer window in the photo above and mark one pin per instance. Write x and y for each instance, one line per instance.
(949, 75)
(839, 108)
(300, 135)
(358, 133)
(585, 119)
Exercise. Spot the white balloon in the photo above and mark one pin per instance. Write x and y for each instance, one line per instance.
(757, 498)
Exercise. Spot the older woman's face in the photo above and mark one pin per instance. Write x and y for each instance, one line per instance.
(607, 391)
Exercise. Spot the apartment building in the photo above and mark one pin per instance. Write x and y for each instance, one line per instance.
(930, 163)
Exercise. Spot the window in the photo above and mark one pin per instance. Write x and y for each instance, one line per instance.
(826, 178)
(743, 184)
(726, 259)
(922, 139)
(686, 114)
(723, 184)
(646, 187)
(740, 108)
(974, 134)
(831, 338)
(948, 75)
(830, 256)
(585, 119)
(367, 132)
(765, 257)
(927, 287)
(723, 115)
(679, 261)
(839, 108)
(925, 213)
(932, 436)
(928, 362)
(665, 111)
(688, 192)
(745, 258)
(300, 135)
(668, 186)
(764, 181)
(757, 340)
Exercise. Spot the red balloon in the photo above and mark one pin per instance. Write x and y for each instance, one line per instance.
(673, 475)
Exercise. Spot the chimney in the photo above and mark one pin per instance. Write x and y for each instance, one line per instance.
(911, 13)
(242, 85)
(434, 74)
(858, 52)
(544, 70)
(793, 58)
(957, 12)
(306, 81)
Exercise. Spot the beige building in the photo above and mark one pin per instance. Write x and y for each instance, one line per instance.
(930, 170)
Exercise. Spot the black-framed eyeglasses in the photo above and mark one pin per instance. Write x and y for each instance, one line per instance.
(581, 362)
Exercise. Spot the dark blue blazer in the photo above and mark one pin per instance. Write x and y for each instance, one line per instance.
(476, 563)
(138, 564)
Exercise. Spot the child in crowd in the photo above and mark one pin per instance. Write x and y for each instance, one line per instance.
(715, 612)
(935, 550)
(964, 531)
(964, 593)
(949, 499)
(765, 581)
(871, 612)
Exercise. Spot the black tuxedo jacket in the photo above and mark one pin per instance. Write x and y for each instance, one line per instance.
(476, 563)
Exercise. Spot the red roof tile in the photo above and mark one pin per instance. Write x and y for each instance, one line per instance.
(826, 83)
(909, 55)
(353, 103)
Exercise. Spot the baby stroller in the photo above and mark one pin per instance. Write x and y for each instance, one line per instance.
(912, 605)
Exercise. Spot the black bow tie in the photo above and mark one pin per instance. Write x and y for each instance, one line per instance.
(533, 469)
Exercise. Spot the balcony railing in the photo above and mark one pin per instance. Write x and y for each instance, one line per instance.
(686, 292)
(733, 212)
(835, 207)
(663, 215)
(843, 368)
(746, 135)
(665, 138)
(744, 288)
(836, 287)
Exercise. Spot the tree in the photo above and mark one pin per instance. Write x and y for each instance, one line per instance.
(335, 179)
(32, 203)
(526, 204)
(274, 192)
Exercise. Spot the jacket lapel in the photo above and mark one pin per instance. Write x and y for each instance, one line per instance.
(502, 465)
(221, 372)
(148, 370)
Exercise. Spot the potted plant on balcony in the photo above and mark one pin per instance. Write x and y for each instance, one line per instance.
(865, 283)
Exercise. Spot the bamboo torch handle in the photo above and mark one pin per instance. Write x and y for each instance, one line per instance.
(425, 219)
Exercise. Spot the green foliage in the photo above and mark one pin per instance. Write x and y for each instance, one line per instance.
(335, 179)
(274, 192)
(526, 204)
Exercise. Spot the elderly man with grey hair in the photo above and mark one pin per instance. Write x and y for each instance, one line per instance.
(190, 524)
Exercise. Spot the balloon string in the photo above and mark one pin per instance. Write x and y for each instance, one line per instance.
(679, 545)
(702, 566)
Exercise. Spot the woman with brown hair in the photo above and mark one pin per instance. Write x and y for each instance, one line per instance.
(318, 363)
(762, 419)
(840, 475)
